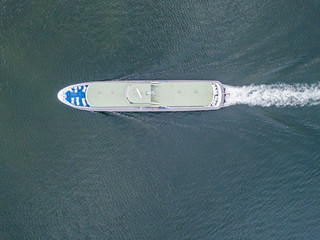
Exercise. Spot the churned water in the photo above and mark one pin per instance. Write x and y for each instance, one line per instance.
(248, 171)
(279, 95)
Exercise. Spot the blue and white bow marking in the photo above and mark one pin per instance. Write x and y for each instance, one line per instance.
(77, 96)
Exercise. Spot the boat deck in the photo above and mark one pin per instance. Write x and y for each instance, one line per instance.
(105, 94)
(182, 93)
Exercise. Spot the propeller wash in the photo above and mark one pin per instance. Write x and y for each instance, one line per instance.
(279, 95)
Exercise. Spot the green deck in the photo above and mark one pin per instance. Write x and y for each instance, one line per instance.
(121, 94)
(183, 93)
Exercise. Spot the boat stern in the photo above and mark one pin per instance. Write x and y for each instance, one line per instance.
(218, 95)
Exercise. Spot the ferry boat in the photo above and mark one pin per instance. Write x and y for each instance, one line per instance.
(144, 96)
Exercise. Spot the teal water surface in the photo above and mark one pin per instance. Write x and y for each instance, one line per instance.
(243, 172)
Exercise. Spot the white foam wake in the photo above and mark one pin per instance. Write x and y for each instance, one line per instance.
(279, 95)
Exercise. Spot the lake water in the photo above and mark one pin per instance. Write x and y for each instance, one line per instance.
(248, 171)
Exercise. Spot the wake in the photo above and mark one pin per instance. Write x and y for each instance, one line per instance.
(279, 95)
